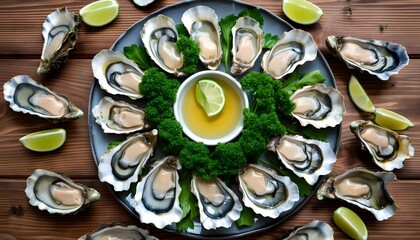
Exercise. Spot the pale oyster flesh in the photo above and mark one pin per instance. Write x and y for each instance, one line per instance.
(27, 96)
(266, 192)
(307, 158)
(219, 206)
(60, 36)
(119, 117)
(117, 74)
(315, 230)
(121, 165)
(376, 57)
(362, 188)
(157, 195)
(202, 24)
(118, 232)
(318, 105)
(388, 148)
(58, 194)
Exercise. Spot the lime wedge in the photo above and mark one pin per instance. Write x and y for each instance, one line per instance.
(302, 11)
(350, 223)
(391, 120)
(359, 96)
(44, 141)
(99, 13)
(210, 96)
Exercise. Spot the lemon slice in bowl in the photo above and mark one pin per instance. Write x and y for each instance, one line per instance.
(350, 223)
(44, 141)
(391, 120)
(99, 13)
(359, 96)
(302, 11)
(210, 96)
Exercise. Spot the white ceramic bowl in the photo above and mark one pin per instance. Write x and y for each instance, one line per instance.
(209, 74)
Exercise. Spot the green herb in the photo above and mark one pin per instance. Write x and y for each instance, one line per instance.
(226, 24)
(113, 144)
(139, 55)
(156, 84)
(310, 132)
(297, 80)
(348, 10)
(382, 27)
(180, 28)
(246, 218)
(171, 138)
(254, 13)
(187, 202)
(270, 40)
(190, 51)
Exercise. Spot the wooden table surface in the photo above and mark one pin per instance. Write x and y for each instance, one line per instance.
(20, 48)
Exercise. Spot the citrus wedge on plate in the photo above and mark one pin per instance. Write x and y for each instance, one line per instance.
(302, 11)
(391, 120)
(99, 13)
(210, 96)
(44, 141)
(359, 96)
(350, 223)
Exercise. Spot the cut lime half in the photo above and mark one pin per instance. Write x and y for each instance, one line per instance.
(99, 13)
(210, 96)
(359, 96)
(44, 141)
(350, 223)
(391, 120)
(302, 11)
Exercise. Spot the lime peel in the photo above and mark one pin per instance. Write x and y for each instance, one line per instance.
(99, 13)
(44, 141)
(359, 96)
(391, 120)
(350, 223)
(302, 11)
(210, 96)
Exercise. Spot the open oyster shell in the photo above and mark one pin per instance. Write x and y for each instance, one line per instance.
(318, 105)
(117, 74)
(119, 117)
(143, 3)
(266, 192)
(58, 194)
(116, 231)
(157, 195)
(202, 24)
(379, 58)
(27, 96)
(219, 206)
(307, 158)
(121, 165)
(60, 36)
(388, 149)
(294, 48)
(313, 230)
(362, 188)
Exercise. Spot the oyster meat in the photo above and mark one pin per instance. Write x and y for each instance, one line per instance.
(319, 106)
(121, 165)
(248, 40)
(58, 194)
(27, 96)
(307, 158)
(60, 36)
(157, 195)
(116, 232)
(159, 36)
(202, 24)
(388, 149)
(379, 58)
(313, 230)
(294, 48)
(119, 117)
(362, 188)
(219, 206)
(117, 74)
(266, 192)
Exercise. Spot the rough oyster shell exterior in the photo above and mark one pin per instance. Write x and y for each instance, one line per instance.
(117, 231)
(313, 230)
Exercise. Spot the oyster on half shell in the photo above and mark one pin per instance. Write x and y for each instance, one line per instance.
(315, 230)
(118, 232)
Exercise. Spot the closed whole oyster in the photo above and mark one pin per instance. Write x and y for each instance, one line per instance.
(117, 74)
(318, 105)
(266, 192)
(313, 230)
(116, 231)
(219, 206)
(388, 148)
(58, 194)
(294, 48)
(248, 40)
(27, 96)
(121, 165)
(157, 195)
(379, 58)
(307, 158)
(202, 23)
(363, 188)
(119, 117)
(60, 36)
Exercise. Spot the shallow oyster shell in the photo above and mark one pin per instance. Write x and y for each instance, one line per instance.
(117, 74)
(60, 36)
(363, 188)
(116, 231)
(58, 194)
(143, 3)
(219, 206)
(388, 148)
(313, 230)
(379, 58)
(24, 94)
(294, 151)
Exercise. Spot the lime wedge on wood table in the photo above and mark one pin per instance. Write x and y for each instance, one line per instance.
(350, 223)
(359, 96)
(44, 141)
(210, 96)
(302, 11)
(391, 120)
(99, 13)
